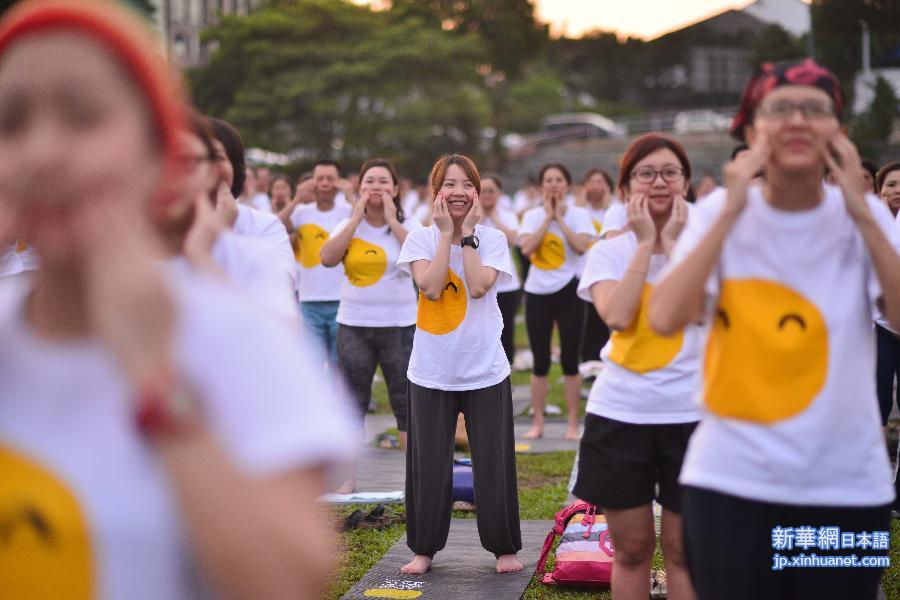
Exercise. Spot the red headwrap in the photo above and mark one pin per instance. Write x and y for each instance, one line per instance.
(770, 76)
(123, 34)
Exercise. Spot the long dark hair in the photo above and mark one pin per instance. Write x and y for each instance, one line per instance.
(385, 164)
(234, 149)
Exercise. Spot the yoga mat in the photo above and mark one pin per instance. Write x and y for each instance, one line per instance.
(463, 570)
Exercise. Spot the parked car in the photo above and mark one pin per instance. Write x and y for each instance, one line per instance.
(701, 121)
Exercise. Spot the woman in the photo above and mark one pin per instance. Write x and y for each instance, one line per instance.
(377, 313)
(509, 294)
(458, 365)
(553, 237)
(887, 374)
(597, 198)
(640, 410)
(130, 450)
(790, 439)
(281, 192)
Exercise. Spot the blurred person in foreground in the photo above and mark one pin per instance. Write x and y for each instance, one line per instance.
(153, 441)
(790, 440)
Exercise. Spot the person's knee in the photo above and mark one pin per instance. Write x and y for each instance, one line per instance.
(673, 551)
(634, 550)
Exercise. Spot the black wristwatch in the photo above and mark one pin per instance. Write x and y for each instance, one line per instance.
(469, 240)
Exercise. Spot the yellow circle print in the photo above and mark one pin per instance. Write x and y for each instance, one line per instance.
(364, 263)
(444, 315)
(551, 254)
(310, 239)
(598, 227)
(639, 348)
(767, 354)
(44, 545)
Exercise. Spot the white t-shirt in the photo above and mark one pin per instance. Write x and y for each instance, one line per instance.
(555, 262)
(317, 282)
(17, 258)
(521, 202)
(261, 202)
(616, 217)
(789, 391)
(597, 216)
(457, 342)
(79, 476)
(509, 220)
(267, 229)
(648, 378)
(376, 292)
(255, 269)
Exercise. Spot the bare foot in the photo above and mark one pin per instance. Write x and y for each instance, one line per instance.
(572, 433)
(508, 564)
(420, 565)
(534, 433)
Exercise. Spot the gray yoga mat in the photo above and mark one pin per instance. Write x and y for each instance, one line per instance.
(462, 570)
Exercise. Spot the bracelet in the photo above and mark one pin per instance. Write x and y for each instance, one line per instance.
(164, 410)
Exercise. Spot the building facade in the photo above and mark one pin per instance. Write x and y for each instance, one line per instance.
(181, 21)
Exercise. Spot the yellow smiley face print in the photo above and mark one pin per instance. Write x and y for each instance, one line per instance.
(767, 354)
(551, 254)
(310, 239)
(444, 315)
(44, 544)
(364, 263)
(639, 348)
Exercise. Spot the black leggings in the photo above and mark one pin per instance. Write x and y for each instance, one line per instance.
(509, 305)
(887, 371)
(728, 544)
(361, 349)
(596, 334)
(541, 310)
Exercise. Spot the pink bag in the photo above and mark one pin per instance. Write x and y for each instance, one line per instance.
(584, 557)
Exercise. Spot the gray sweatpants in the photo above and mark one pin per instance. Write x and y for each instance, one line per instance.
(429, 467)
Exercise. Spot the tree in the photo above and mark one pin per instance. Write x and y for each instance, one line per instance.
(329, 78)
(774, 44)
(874, 126)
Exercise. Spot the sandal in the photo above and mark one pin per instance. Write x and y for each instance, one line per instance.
(351, 521)
(378, 520)
(657, 585)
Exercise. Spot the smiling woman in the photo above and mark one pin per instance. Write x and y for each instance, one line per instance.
(789, 363)
(458, 365)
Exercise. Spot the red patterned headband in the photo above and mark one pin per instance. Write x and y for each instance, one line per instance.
(770, 76)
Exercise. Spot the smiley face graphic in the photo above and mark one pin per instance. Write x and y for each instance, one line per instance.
(551, 254)
(364, 263)
(444, 315)
(639, 348)
(767, 354)
(310, 239)
(44, 542)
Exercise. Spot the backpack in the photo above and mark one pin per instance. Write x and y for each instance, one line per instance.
(584, 557)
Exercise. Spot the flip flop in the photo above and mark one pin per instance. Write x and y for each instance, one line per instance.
(351, 521)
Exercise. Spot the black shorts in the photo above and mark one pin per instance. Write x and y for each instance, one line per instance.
(624, 465)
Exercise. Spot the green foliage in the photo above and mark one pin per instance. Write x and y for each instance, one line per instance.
(775, 44)
(334, 79)
(874, 126)
(539, 94)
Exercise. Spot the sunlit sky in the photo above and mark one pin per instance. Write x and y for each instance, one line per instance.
(645, 19)
(637, 18)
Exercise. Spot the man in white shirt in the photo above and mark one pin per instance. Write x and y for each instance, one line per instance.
(320, 286)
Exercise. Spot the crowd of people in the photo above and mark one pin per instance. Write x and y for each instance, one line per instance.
(188, 343)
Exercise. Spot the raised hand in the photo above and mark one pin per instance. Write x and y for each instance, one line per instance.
(847, 169)
(740, 171)
(205, 230)
(639, 219)
(440, 216)
(226, 205)
(473, 217)
(559, 208)
(359, 208)
(345, 186)
(674, 226)
(390, 209)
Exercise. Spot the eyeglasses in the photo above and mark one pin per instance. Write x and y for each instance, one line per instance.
(648, 174)
(783, 110)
